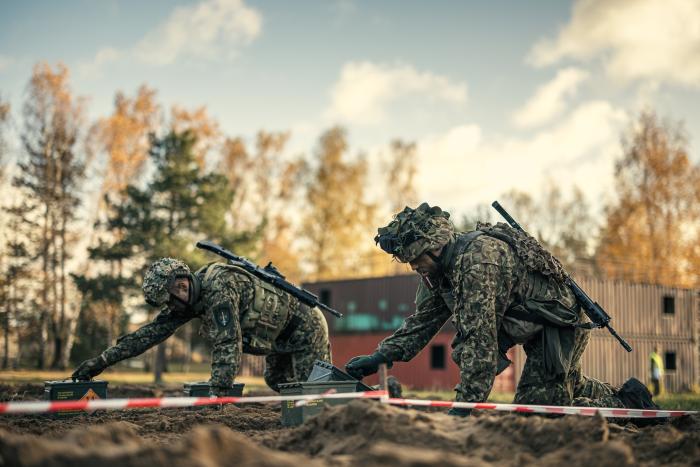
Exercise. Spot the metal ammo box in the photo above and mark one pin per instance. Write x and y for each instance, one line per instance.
(323, 378)
(74, 390)
(201, 389)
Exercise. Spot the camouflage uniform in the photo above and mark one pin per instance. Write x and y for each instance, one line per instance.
(240, 314)
(484, 276)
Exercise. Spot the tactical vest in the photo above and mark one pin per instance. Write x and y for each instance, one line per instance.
(263, 318)
(537, 311)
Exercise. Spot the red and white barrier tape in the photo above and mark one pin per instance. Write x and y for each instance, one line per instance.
(177, 402)
(606, 412)
(167, 402)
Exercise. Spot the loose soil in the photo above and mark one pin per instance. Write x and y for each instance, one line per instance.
(361, 432)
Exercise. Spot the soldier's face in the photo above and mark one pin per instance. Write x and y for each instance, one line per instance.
(180, 291)
(424, 264)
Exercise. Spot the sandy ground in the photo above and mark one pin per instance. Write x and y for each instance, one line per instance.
(360, 433)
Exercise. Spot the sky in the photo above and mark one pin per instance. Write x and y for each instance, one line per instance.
(497, 95)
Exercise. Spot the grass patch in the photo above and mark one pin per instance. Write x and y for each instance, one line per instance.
(682, 401)
(123, 377)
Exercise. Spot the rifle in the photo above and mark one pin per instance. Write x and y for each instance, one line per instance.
(269, 274)
(599, 318)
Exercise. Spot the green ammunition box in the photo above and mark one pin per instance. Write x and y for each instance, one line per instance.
(201, 389)
(74, 390)
(324, 377)
(293, 415)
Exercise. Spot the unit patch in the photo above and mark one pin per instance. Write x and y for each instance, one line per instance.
(223, 315)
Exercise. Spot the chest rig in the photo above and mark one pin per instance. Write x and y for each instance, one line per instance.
(543, 308)
(263, 318)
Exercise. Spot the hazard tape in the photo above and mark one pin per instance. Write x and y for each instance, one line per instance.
(180, 402)
(167, 402)
(606, 412)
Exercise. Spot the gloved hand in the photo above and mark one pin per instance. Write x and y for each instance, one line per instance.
(365, 365)
(89, 369)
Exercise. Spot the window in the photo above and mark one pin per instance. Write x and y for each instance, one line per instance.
(437, 357)
(670, 361)
(669, 305)
(325, 297)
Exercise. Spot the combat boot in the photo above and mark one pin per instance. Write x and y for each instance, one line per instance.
(635, 395)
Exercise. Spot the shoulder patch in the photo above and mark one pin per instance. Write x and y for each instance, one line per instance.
(223, 315)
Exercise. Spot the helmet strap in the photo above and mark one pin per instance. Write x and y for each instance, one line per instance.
(195, 289)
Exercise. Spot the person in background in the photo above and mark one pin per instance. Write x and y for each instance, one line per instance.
(656, 367)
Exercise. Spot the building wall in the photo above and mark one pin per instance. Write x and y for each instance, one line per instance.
(419, 373)
(374, 307)
(638, 315)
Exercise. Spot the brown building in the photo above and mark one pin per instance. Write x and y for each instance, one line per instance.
(645, 315)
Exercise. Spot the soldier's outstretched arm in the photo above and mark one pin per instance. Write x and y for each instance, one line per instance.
(131, 345)
(225, 335)
(147, 336)
(418, 329)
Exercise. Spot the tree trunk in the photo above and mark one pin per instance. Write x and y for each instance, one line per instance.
(6, 335)
(188, 347)
(57, 352)
(159, 366)
(70, 340)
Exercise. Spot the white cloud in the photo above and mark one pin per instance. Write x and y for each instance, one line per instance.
(549, 99)
(463, 167)
(103, 57)
(209, 30)
(365, 89)
(640, 39)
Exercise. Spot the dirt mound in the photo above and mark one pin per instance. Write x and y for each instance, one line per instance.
(20, 392)
(375, 434)
(154, 424)
(362, 432)
(119, 444)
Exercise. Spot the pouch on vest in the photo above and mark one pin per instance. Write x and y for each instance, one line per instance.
(558, 320)
(264, 319)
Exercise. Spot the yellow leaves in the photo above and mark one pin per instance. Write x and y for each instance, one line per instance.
(124, 137)
(53, 105)
(338, 222)
(205, 129)
(651, 234)
(401, 170)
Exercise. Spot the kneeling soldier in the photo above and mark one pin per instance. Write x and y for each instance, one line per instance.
(500, 288)
(239, 312)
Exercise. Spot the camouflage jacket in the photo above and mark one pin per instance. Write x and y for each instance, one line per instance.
(225, 307)
(482, 279)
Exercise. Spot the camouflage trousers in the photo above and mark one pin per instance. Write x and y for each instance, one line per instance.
(536, 386)
(574, 388)
(294, 353)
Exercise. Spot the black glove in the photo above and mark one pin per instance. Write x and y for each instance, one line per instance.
(365, 365)
(89, 368)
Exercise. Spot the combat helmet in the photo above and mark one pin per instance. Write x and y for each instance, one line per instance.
(159, 278)
(415, 231)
